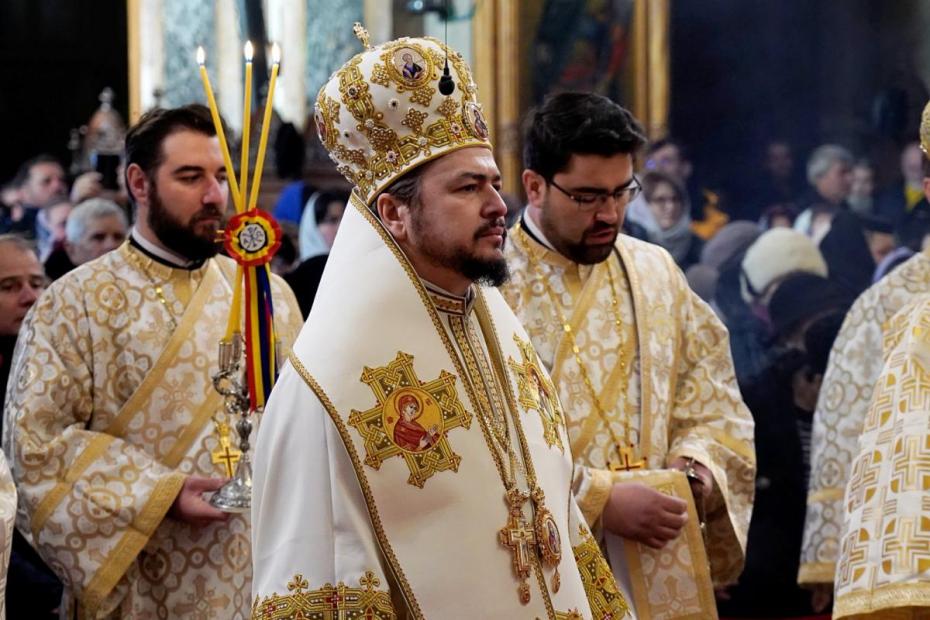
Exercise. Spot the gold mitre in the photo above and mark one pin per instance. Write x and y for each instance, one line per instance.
(925, 130)
(383, 114)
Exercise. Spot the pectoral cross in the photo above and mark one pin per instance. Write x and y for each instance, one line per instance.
(519, 538)
(627, 462)
(225, 454)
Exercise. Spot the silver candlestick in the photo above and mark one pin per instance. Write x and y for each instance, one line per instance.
(235, 495)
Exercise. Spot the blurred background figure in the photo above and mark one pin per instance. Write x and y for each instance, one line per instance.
(22, 281)
(40, 181)
(862, 188)
(829, 173)
(92, 229)
(897, 200)
(50, 226)
(849, 258)
(807, 311)
(776, 183)
(665, 214)
(669, 156)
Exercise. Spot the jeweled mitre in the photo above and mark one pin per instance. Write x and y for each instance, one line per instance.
(382, 114)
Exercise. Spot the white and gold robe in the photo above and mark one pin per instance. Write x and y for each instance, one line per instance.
(670, 375)
(884, 557)
(354, 518)
(109, 409)
(7, 521)
(855, 363)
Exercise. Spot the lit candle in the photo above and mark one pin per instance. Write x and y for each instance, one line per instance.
(246, 121)
(220, 133)
(266, 125)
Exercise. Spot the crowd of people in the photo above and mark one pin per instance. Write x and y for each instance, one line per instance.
(106, 289)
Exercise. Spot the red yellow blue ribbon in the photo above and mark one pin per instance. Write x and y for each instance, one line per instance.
(252, 238)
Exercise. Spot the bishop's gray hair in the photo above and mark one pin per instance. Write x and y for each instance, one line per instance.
(823, 158)
(89, 211)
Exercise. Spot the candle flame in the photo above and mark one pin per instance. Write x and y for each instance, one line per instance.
(201, 55)
(275, 53)
(248, 51)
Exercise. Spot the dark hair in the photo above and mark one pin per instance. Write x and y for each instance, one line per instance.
(323, 201)
(22, 175)
(577, 123)
(926, 165)
(144, 139)
(406, 189)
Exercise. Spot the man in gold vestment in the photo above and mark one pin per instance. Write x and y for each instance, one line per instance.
(848, 385)
(112, 423)
(642, 364)
(881, 569)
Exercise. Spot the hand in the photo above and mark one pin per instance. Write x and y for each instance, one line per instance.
(701, 489)
(821, 595)
(190, 506)
(639, 513)
(88, 185)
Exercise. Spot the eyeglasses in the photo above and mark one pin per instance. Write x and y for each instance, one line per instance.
(591, 201)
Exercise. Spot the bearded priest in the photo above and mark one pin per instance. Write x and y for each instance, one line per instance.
(645, 364)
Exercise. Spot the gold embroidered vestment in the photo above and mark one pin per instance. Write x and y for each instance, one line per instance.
(883, 556)
(665, 378)
(855, 363)
(109, 409)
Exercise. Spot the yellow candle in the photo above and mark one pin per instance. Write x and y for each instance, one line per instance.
(232, 325)
(266, 125)
(246, 121)
(220, 133)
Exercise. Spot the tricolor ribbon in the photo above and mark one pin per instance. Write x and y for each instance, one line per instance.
(252, 238)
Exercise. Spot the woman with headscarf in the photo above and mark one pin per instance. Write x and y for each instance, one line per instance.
(665, 213)
(318, 227)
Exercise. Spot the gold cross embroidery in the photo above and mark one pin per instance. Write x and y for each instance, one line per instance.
(411, 419)
(536, 391)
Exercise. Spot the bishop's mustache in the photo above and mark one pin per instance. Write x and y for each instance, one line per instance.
(485, 228)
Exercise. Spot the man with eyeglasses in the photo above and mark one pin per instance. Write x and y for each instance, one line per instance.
(641, 363)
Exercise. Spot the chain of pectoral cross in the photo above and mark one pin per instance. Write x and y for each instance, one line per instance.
(625, 450)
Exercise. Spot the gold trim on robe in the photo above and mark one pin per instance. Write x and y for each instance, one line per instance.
(855, 363)
(108, 411)
(671, 377)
